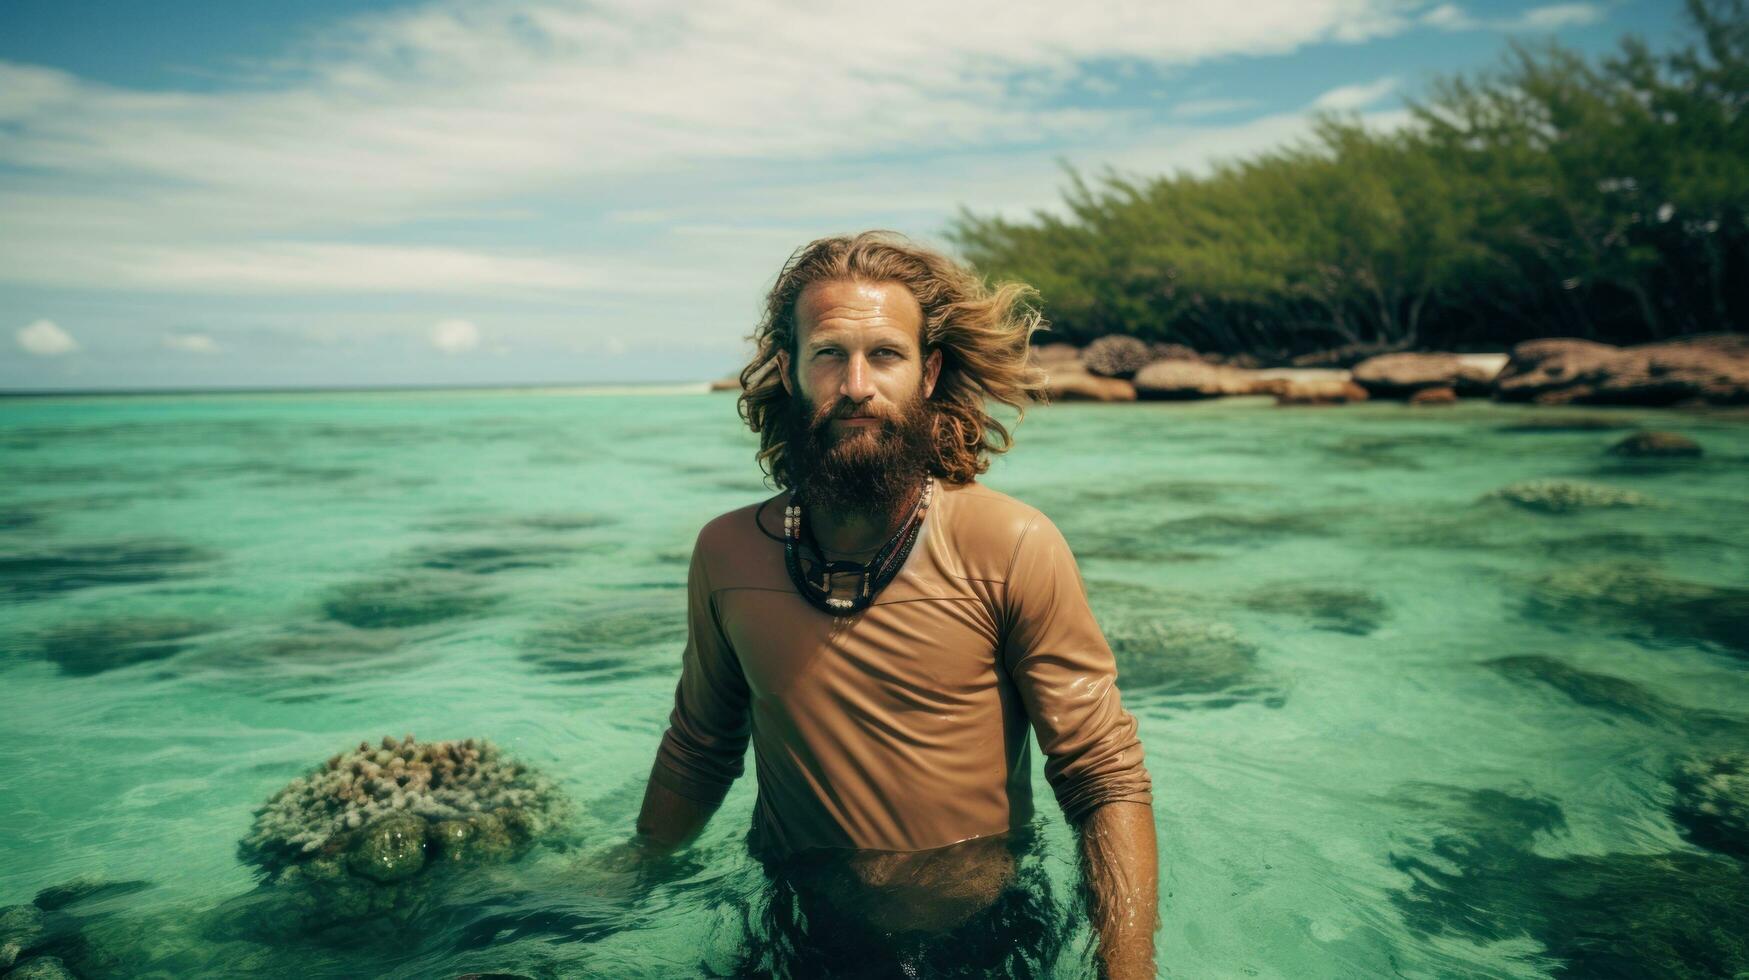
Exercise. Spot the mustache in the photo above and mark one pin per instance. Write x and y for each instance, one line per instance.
(851, 413)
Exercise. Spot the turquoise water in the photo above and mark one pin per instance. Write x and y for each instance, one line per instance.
(1395, 727)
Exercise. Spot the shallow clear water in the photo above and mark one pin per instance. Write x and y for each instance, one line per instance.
(1394, 727)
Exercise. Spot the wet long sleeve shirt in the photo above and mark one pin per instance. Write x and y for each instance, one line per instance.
(902, 727)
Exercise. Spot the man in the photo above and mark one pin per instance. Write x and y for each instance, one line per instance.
(886, 631)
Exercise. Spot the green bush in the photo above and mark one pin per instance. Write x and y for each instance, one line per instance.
(1552, 196)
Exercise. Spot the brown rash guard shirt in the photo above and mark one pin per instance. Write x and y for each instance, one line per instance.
(903, 727)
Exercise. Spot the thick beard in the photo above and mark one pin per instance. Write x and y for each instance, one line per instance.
(860, 471)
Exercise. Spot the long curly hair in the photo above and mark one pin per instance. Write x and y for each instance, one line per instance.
(983, 333)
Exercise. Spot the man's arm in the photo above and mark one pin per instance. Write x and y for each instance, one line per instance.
(1066, 676)
(701, 753)
(1118, 865)
(669, 821)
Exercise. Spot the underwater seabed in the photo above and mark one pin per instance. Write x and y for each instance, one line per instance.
(557, 912)
(1425, 692)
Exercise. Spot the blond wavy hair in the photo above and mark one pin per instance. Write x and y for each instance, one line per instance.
(983, 333)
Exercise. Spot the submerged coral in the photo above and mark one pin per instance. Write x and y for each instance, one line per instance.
(1564, 496)
(386, 810)
(1336, 609)
(407, 601)
(1473, 870)
(1186, 661)
(1642, 600)
(1712, 802)
(1180, 654)
(85, 646)
(355, 843)
(46, 572)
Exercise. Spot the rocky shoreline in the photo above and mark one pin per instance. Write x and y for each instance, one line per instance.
(1705, 369)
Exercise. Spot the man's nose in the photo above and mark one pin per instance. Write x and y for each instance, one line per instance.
(858, 385)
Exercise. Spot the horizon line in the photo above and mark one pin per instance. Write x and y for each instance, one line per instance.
(336, 389)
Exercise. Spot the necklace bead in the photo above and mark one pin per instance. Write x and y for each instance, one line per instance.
(875, 574)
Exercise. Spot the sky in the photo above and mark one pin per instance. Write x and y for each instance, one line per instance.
(343, 193)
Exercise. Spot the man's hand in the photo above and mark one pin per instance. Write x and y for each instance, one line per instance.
(668, 821)
(666, 824)
(1119, 868)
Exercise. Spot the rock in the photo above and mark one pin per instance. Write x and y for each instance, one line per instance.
(1569, 423)
(1434, 396)
(1653, 443)
(405, 601)
(1338, 392)
(1190, 379)
(21, 927)
(727, 384)
(1116, 356)
(1243, 360)
(41, 968)
(1346, 356)
(1173, 352)
(1556, 370)
(1179, 655)
(495, 836)
(1705, 368)
(321, 894)
(1641, 600)
(480, 839)
(1604, 692)
(1079, 385)
(1712, 802)
(449, 839)
(1476, 373)
(1335, 609)
(1475, 873)
(79, 889)
(87, 646)
(1564, 496)
(1047, 355)
(389, 848)
(1297, 375)
(1401, 375)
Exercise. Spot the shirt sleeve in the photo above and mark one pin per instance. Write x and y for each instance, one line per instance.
(702, 751)
(1066, 676)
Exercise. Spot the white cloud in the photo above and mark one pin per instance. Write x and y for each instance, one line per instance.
(1350, 97)
(1102, 86)
(1451, 17)
(277, 267)
(455, 336)
(1196, 150)
(1197, 108)
(45, 338)
(758, 229)
(450, 110)
(193, 343)
(1558, 16)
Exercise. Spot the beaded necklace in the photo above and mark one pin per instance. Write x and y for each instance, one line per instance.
(876, 573)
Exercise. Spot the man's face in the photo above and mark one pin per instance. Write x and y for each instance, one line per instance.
(859, 422)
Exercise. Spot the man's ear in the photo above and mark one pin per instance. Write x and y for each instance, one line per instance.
(931, 371)
(783, 370)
